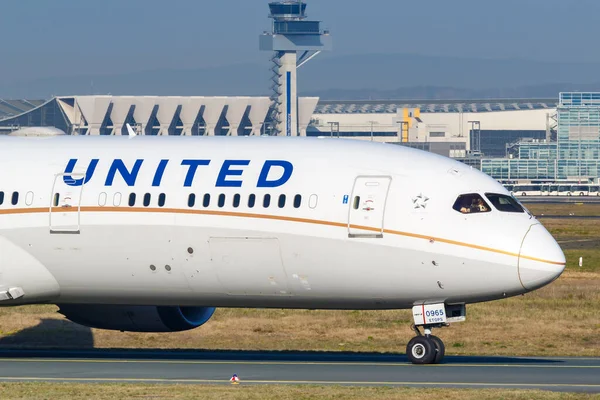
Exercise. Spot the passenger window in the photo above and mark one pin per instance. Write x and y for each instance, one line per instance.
(313, 200)
(471, 203)
(162, 198)
(147, 198)
(221, 200)
(504, 203)
(206, 200)
(236, 200)
(15, 198)
(29, 198)
(267, 200)
(191, 200)
(56, 199)
(356, 202)
(1, 198)
(131, 199)
(251, 200)
(117, 199)
(102, 199)
(281, 202)
(297, 201)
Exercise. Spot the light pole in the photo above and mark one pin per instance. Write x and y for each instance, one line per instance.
(337, 126)
(477, 133)
(372, 122)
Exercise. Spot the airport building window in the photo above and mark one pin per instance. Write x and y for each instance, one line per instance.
(206, 200)
(236, 200)
(221, 200)
(281, 202)
(191, 200)
(147, 198)
(504, 203)
(162, 198)
(297, 201)
(471, 203)
(267, 201)
(15, 198)
(251, 200)
(131, 199)
(1, 198)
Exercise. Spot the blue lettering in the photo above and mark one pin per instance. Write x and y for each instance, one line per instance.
(69, 180)
(128, 177)
(159, 172)
(225, 171)
(264, 174)
(193, 166)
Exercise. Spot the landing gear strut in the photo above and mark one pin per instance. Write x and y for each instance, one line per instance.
(425, 348)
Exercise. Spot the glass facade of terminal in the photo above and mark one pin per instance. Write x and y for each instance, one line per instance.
(574, 156)
(492, 143)
(47, 114)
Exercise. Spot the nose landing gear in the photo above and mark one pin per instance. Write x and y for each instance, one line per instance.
(425, 349)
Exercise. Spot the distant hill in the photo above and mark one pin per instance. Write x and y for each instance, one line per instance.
(330, 76)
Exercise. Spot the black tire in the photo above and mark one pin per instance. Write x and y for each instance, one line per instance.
(420, 350)
(581, 193)
(440, 349)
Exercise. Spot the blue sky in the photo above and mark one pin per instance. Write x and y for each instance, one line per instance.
(46, 38)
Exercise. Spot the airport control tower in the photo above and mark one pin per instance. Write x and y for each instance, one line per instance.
(294, 41)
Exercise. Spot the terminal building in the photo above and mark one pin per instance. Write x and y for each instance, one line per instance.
(464, 129)
(513, 140)
(573, 156)
(149, 115)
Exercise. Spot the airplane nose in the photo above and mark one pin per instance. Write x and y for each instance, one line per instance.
(541, 259)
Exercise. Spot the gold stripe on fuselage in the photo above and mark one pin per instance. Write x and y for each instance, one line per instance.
(37, 210)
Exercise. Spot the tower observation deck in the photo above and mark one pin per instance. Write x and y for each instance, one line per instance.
(294, 41)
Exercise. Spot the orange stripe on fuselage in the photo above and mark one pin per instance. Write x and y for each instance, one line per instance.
(268, 217)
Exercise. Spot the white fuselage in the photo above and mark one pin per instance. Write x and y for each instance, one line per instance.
(362, 226)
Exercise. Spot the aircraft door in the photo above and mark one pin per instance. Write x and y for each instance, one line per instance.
(367, 206)
(65, 204)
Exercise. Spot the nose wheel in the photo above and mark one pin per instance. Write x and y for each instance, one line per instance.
(425, 349)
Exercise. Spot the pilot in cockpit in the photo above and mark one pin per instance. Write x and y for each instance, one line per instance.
(472, 204)
(478, 205)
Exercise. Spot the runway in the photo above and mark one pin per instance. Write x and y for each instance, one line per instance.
(205, 367)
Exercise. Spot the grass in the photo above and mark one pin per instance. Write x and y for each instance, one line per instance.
(580, 209)
(561, 319)
(572, 228)
(244, 392)
(578, 238)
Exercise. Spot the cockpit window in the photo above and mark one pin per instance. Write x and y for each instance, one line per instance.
(471, 203)
(504, 203)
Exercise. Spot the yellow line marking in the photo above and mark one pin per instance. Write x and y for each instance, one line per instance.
(310, 382)
(270, 217)
(324, 363)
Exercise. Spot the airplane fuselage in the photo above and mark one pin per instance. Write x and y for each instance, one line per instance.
(256, 222)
